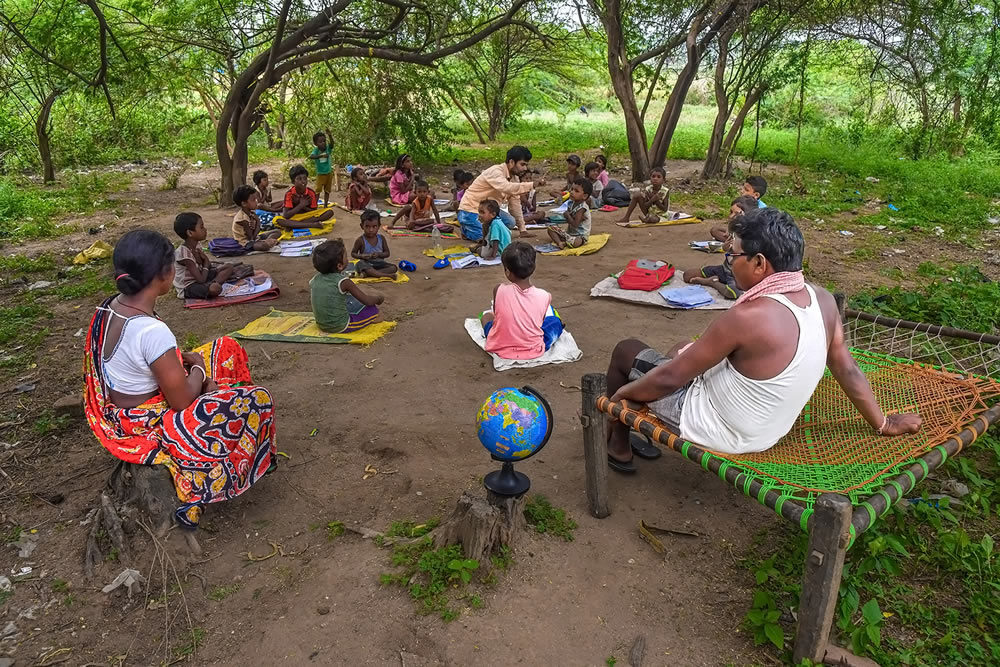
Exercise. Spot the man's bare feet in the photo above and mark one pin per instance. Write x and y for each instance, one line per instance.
(526, 235)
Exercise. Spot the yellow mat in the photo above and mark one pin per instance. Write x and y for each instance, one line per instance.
(301, 328)
(306, 232)
(632, 224)
(593, 244)
(453, 250)
(399, 279)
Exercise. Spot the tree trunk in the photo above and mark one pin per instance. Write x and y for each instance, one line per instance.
(672, 111)
(483, 525)
(42, 133)
(472, 123)
(621, 81)
(712, 161)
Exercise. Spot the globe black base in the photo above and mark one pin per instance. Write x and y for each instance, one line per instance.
(507, 481)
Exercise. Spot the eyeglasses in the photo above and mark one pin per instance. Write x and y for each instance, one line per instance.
(730, 255)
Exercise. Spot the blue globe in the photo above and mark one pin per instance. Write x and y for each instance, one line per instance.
(514, 424)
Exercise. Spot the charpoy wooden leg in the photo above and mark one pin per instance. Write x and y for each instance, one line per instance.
(595, 444)
(828, 542)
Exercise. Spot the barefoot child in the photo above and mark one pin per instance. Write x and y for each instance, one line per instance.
(421, 213)
(339, 305)
(497, 235)
(720, 276)
(592, 173)
(522, 323)
(246, 224)
(194, 275)
(371, 249)
(266, 208)
(740, 206)
(756, 187)
(359, 193)
(324, 175)
(577, 232)
(301, 204)
(653, 200)
(401, 183)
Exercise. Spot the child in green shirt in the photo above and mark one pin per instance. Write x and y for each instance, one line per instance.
(324, 175)
(339, 305)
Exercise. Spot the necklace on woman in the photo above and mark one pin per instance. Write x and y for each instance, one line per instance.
(128, 305)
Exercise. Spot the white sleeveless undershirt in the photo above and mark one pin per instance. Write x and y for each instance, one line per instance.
(143, 340)
(726, 411)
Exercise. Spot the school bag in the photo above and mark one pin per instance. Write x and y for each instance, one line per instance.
(615, 194)
(226, 247)
(645, 274)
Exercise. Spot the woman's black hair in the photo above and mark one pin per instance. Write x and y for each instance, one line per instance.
(140, 257)
(400, 160)
(295, 171)
(773, 234)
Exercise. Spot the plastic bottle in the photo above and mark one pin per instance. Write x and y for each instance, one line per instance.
(436, 239)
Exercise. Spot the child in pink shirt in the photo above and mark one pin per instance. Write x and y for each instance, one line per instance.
(522, 324)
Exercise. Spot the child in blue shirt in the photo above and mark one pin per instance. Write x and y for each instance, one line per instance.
(756, 187)
(497, 237)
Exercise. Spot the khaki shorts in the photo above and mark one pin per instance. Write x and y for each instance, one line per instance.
(667, 409)
(324, 181)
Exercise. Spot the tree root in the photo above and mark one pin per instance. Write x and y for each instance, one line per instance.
(131, 489)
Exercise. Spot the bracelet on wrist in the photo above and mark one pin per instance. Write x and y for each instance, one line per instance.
(885, 422)
(204, 376)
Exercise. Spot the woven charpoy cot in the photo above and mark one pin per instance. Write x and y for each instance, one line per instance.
(832, 475)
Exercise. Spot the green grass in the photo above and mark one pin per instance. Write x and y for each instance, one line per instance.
(334, 529)
(432, 576)
(960, 297)
(29, 211)
(546, 518)
(920, 586)
(220, 593)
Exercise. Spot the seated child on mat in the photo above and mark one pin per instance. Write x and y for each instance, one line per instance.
(577, 231)
(421, 213)
(301, 207)
(653, 201)
(720, 276)
(463, 179)
(246, 224)
(740, 206)
(339, 305)
(195, 277)
(603, 176)
(371, 249)
(592, 172)
(522, 323)
(266, 208)
(497, 234)
(359, 193)
(756, 187)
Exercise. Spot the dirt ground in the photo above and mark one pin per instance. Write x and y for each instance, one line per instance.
(406, 405)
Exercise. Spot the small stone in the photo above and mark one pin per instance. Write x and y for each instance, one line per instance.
(322, 611)
(41, 284)
(69, 406)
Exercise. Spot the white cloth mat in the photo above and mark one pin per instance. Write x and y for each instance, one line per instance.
(563, 351)
(609, 287)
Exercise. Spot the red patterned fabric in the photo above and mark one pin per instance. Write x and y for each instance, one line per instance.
(215, 449)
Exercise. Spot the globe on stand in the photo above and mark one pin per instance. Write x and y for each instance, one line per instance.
(513, 424)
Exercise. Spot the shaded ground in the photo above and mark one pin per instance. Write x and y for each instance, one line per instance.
(406, 406)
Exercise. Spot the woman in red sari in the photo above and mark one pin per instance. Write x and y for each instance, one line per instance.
(197, 413)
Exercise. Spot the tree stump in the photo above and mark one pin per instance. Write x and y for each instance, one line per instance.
(131, 489)
(483, 525)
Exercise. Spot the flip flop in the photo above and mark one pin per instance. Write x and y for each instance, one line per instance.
(442, 263)
(642, 447)
(625, 467)
(407, 266)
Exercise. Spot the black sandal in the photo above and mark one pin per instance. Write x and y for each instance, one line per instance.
(643, 447)
(624, 467)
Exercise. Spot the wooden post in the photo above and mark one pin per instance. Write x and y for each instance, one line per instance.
(821, 577)
(595, 444)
